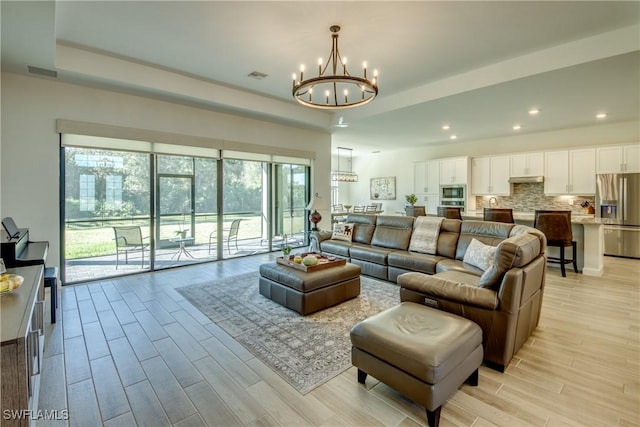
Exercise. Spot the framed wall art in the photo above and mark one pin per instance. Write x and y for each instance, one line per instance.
(383, 188)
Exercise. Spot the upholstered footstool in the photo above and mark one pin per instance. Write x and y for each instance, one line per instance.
(308, 292)
(424, 353)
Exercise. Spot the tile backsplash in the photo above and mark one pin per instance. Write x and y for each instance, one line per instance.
(530, 196)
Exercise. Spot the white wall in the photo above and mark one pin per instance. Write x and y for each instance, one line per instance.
(29, 180)
(399, 163)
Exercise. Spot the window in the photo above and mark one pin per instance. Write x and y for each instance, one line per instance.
(113, 192)
(87, 193)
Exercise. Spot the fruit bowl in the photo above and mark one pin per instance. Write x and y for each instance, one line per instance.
(10, 282)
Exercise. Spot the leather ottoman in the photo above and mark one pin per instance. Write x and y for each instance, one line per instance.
(308, 292)
(424, 353)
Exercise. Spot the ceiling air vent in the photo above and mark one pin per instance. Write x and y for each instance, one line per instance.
(257, 75)
(42, 71)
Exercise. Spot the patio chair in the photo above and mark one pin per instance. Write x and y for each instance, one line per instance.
(129, 239)
(233, 235)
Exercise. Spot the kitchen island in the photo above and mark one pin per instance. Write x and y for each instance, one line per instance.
(587, 231)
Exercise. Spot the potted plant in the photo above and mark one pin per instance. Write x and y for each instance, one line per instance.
(286, 250)
(411, 199)
(182, 234)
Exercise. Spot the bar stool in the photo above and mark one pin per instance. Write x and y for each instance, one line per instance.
(449, 212)
(51, 281)
(498, 215)
(556, 226)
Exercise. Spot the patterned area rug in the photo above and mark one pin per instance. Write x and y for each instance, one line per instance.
(306, 351)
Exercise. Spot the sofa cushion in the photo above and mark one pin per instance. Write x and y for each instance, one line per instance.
(489, 233)
(516, 251)
(423, 263)
(453, 286)
(363, 227)
(448, 238)
(336, 247)
(479, 255)
(456, 265)
(393, 232)
(342, 231)
(370, 253)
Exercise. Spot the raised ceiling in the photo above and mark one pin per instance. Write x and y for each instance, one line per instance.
(478, 66)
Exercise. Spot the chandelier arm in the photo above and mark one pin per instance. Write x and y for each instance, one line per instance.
(334, 52)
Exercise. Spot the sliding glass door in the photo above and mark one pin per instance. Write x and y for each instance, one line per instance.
(106, 192)
(129, 212)
(291, 185)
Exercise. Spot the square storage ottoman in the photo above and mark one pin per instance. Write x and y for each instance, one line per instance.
(308, 292)
(424, 353)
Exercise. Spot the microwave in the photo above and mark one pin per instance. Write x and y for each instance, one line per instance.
(452, 192)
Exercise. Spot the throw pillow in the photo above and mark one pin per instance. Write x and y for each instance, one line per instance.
(343, 231)
(479, 255)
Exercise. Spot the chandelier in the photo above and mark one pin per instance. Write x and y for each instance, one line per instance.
(344, 176)
(332, 89)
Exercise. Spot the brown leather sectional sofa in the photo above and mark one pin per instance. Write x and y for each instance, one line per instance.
(507, 310)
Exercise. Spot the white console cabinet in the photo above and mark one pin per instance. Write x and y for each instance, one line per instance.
(22, 332)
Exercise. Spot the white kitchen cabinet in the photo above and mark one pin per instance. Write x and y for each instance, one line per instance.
(570, 172)
(526, 164)
(430, 202)
(454, 170)
(618, 159)
(490, 176)
(426, 177)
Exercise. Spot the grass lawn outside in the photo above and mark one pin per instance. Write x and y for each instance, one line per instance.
(96, 238)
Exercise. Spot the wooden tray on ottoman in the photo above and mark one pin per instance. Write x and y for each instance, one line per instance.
(323, 262)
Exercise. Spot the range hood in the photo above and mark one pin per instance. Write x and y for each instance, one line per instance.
(525, 179)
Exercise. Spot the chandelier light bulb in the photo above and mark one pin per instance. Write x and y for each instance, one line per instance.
(320, 66)
(327, 93)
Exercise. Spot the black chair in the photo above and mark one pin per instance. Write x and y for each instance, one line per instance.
(556, 226)
(415, 211)
(51, 281)
(449, 212)
(498, 215)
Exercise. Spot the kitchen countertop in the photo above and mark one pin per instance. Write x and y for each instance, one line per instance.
(529, 216)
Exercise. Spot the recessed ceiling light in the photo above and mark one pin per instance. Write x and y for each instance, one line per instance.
(517, 127)
(446, 127)
(341, 123)
(601, 115)
(453, 136)
(534, 111)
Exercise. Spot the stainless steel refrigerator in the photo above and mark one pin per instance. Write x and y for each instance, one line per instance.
(618, 207)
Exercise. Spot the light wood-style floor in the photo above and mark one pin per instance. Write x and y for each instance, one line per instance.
(131, 351)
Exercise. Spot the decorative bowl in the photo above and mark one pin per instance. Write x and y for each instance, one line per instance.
(10, 282)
